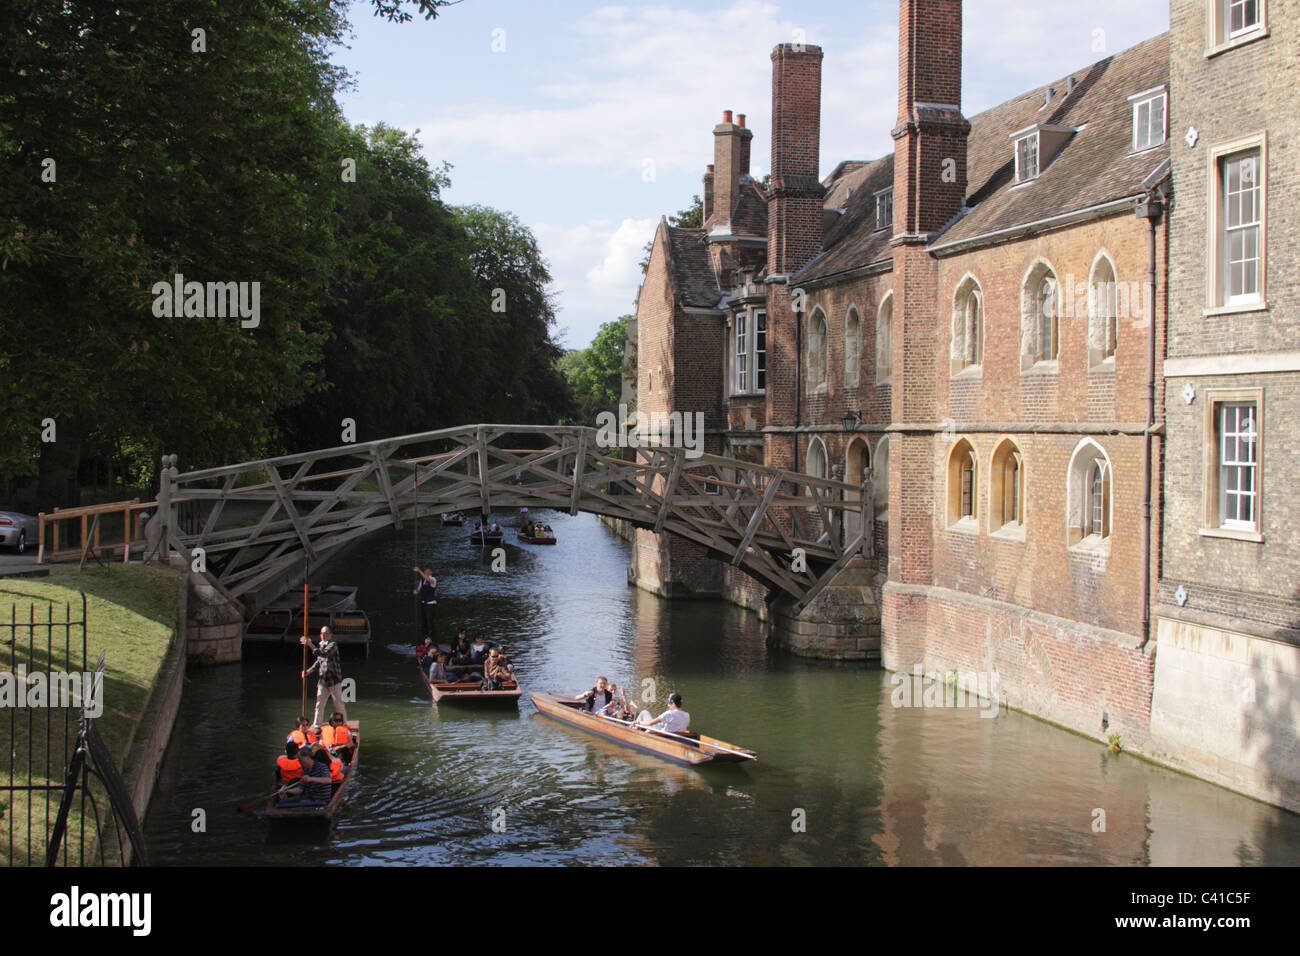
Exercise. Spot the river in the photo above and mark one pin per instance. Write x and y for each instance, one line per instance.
(843, 776)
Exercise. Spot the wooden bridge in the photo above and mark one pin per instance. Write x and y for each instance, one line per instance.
(257, 520)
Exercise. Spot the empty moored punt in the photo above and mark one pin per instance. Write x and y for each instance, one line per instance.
(323, 812)
(690, 748)
(471, 694)
(336, 597)
(351, 628)
(268, 627)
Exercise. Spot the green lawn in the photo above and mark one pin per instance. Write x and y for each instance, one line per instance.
(131, 613)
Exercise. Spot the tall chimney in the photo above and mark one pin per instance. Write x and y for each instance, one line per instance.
(730, 161)
(794, 221)
(708, 192)
(930, 138)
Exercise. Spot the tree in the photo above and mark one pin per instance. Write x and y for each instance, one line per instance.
(595, 374)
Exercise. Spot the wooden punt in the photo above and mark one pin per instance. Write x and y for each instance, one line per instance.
(453, 518)
(543, 539)
(471, 694)
(268, 627)
(323, 813)
(690, 749)
(487, 537)
(335, 597)
(351, 628)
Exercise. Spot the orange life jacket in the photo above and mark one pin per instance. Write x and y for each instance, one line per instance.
(290, 768)
(332, 736)
(336, 769)
(300, 738)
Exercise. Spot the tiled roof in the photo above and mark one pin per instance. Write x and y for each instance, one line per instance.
(749, 218)
(853, 240)
(691, 267)
(1094, 166)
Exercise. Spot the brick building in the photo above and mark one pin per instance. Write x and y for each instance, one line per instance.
(972, 330)
(1228, 607)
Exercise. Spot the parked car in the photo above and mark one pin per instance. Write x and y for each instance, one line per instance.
(16, 530)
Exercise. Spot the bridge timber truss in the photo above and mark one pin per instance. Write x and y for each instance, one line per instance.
(257, 520)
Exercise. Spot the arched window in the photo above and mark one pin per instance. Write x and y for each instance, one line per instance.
(1103, 311)
(857, 465)
(1039, 316)
(817, 458)
(852, 347)
(880, 480)
(1007, 491)
(817, 350)
(885, 339)
(967, 349)
(1089, 496)
(963, 485)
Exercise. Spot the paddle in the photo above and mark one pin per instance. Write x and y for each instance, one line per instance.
(270, 796)
(668, 733)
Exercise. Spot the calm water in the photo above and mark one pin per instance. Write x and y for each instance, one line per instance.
(870, 783)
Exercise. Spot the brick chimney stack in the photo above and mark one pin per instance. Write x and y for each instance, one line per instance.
(794, 221)
(730, 161)
(930, 138)
(708, 192)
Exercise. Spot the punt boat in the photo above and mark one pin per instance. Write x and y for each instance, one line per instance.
(691, 749)
(487, 537)
(453, 518)
(536, 539)
(472, 694)
(323, 812)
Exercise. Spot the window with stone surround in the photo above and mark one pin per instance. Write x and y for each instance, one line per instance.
(1233, 462)
(1237, 237)
(966, 348)
(1235, 21)
(1089, 497)
(816, 361)
(1027, 157)
(1039, 316)
(885, 208)
(852, 347)
(962, 506)
(816, 458)
(1007, 489)
(885, 339)
(748, 352)
(1103, 312)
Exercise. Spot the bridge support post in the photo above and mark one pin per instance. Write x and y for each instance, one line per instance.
(841, 623)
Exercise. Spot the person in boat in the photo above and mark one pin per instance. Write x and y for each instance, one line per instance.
(440, 673)
(497, 670)
(302, 735)
(329, 679)
(314, 787)
(337, 737)
(427, 589)
(598, 698)
(617, 706)
(674, 720)
(337, 768)
(287, 767)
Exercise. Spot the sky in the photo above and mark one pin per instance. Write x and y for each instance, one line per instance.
(590, 121)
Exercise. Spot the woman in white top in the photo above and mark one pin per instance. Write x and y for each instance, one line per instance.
(674, 720)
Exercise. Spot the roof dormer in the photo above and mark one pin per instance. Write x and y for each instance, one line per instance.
(1036, 146)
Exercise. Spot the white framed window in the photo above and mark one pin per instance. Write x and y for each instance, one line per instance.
(1027, 157)
(1149, 126)
(1237, 225)
(749, 352)
(1241, 226)
(1242, 17)
(1234, 22)
(1234, 463)
(885, 208)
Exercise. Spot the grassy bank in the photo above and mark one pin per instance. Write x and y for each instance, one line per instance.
(131, 614)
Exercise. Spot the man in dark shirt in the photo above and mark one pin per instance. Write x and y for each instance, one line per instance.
(329, 676)
(427, 589)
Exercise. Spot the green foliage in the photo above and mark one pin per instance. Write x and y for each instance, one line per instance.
(692, 217)
(1113, 744)
(596, 374)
